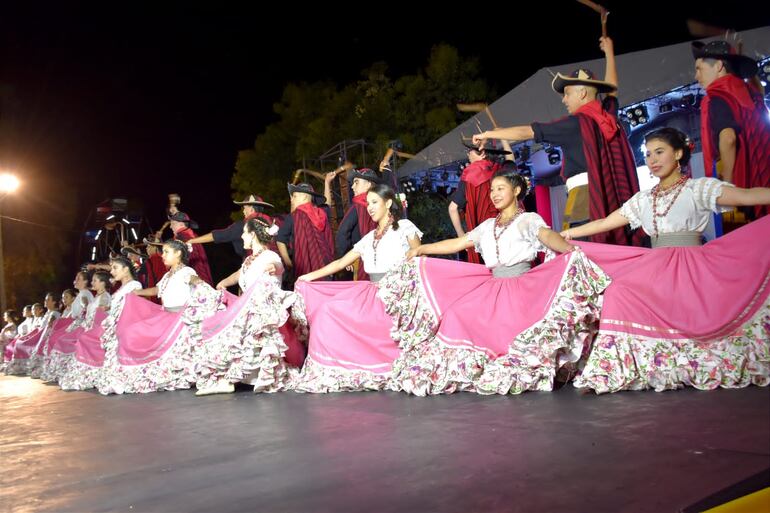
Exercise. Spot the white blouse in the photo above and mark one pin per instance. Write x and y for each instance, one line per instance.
(123, 291)
(690, 212)
(9, 332)
(26, 326)
(391, 249)
(253, 269)
(102, 300)
(174, 288)
(518, 243)
(37, 322)
(78, 309)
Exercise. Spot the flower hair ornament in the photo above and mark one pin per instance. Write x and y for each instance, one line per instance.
(272, 230)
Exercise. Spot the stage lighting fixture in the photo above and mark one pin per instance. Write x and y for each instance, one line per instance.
(637, 115)
(553, 157)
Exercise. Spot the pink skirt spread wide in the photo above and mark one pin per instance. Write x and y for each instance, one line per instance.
(463, 329)
(689, 316)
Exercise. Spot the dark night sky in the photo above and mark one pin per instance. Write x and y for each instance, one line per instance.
(142, 102)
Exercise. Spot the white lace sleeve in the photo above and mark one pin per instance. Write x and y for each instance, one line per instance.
(632, 211)
(706, 191)
(477, 233)
(189, 272)
(529, 227)
(409, 229)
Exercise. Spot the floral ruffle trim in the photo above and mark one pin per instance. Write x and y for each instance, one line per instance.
(175, 369)
(401, 291)
(56, 366)
(251, 349)
(319, 379)
(428, 366)
(414, 329)
(620, 361)
(78, 375)
(17, 367)
(435, 368)
(556, 342)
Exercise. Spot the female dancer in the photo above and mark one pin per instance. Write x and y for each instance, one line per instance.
(350, 347)
(251, 341)
(513, 329)
(682, 314)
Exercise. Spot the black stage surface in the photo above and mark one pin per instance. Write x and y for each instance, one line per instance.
(375, 452)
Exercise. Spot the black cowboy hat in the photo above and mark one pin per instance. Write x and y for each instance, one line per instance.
(152, 241)
(744, 67)
(490, 147)
(128, 250)
(183, 218)
(303, 187)
(581, 76)
(254, 200)
(367, 174)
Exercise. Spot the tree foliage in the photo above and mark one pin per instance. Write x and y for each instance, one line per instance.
(416, 109)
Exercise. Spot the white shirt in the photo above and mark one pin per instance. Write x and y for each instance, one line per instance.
(26, 326)
(123, 291)
(48, 318)
(174, 288)
(78, 308)
(690, 213)
(517, 243)
(391, 249)
(9, 332)
(253, 269)
(101, 300)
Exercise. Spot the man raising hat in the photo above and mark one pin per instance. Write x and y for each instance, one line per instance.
(183, 227)
(597, 156)
(735, 129)
(357, 222)
(253, 207)
(472, 194)
(306, 231)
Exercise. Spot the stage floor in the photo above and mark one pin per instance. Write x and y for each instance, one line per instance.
(374, 452)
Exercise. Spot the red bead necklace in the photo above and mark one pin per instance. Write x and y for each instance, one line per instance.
(678, 187)
(502, 227)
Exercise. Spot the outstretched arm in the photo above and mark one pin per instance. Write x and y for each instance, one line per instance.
(513, 133)
(209, 237)
(554, 241)
(611, 222)
(229, 281)
(153, 291)
(444, 247)
(738, 197)
(333, 267)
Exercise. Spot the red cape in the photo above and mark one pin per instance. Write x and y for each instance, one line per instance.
(478, 208)
(612, 178)
(752, 158)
